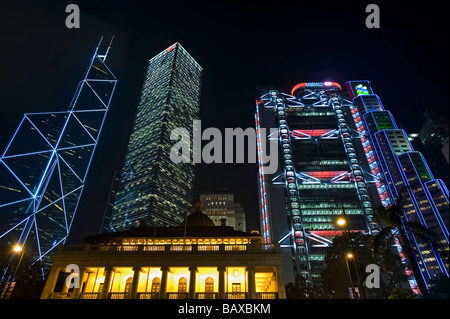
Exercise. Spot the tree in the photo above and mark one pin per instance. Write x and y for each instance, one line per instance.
(336, 277)
(402, 293)
(300, 289)
(336, 280)
(394, 231)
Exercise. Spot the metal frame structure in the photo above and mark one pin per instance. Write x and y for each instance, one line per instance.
(297, 238)
(44, 166)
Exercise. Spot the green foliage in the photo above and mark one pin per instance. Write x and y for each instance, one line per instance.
(336, 279)
(401, 293)
(395, 231)
(300, 289)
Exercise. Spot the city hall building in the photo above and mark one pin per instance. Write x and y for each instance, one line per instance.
(195, 260)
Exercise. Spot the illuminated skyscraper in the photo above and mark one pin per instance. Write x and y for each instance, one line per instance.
(44, 167)
(322, 172)
(151, 186)
(342, 151)
(408, 179)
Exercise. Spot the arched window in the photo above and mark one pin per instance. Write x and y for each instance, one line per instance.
(209, 285)
(182, 284)
(156, 284)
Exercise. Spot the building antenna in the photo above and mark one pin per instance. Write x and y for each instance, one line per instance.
(425, 106)
(103, 57)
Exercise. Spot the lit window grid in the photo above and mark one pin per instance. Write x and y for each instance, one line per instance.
(169, 99)
(394, 145)
(371, 156)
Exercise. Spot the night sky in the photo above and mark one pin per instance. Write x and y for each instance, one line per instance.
(240, 47)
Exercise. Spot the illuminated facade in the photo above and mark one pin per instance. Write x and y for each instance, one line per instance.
(223, 210)
(151, 186)
(322, 173)
(342, 151)
(406, 175)
(44, 167)
(199, 261)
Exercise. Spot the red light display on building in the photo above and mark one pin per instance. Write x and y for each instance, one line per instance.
(325, 85)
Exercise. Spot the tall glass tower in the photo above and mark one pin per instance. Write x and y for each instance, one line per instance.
(322, 172)
(342, 151)
(151, 186)
(408, 181)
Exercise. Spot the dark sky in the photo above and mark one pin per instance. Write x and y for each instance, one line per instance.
(240, 47)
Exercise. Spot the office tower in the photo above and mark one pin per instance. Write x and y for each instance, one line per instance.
(322, 174)
(239, 218)
(408, 179)
(151, 186)
(220, 207)
(43, 168)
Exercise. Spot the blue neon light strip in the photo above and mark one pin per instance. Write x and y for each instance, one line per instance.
(54, 161)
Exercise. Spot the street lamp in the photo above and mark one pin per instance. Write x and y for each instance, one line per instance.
(17, 248)
(350, 256)
(7, 290)
(341, 221)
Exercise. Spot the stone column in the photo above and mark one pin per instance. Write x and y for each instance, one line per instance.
(193, 272)
(106, 283)
(251, 282)
(280, 280)
(221, 270)
(50, 283)
(163, 288)
(135, 283)
(65, 288)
